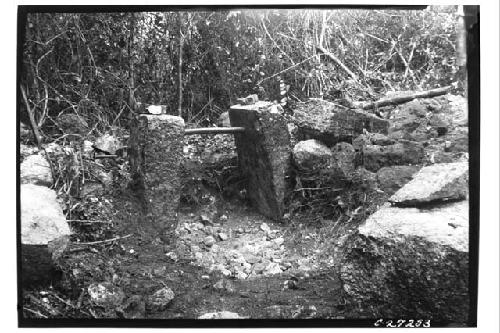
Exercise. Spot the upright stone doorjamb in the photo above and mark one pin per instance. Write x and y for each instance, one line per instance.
(263, 154)
(156, 153)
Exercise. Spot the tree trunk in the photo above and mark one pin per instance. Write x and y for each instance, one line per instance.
(402, 99)
(31, 115)
(131, 79)
(179, 66)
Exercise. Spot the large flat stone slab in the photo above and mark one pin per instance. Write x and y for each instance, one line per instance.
(411, 263)
(446, 224)
(438, 182)
(329, 123)
(264, 154)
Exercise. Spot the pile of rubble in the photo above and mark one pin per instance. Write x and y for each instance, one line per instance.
(243, 247)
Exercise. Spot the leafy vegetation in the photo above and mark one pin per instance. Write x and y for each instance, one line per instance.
(101, 65)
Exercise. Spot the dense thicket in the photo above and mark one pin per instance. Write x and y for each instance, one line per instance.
(99, 65)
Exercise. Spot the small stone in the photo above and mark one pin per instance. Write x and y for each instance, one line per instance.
(197, 226)
(160, 299)
(221, 315)
(224, 285)
(205, 277)
(226, 272)
(259, 267)
(264, 227)
(247, 267)
(223, 236)
(279, 241)
(206, 220)
(209, 230)
(209, 241)
(253, 259)
(240, 230)
(223, 218)
(273, 268)
(106, 295)
(172, 255)
(35, 169)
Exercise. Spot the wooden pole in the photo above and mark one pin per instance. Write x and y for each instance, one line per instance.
(402, 99)
(214, 130)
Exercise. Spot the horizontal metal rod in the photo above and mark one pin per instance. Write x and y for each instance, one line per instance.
(105, 156)
(214, 130)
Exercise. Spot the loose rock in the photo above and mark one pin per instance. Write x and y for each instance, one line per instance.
(106, 295)
(438, 182)
(35, 169)
(42, 218)
(221, 315)
(401, 153)
(312, 155)
(160, 299)
(324, 121)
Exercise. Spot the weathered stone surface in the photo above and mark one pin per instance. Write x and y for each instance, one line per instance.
(35, 169)
(44, 235)
(322, 120)
(344, 157)
(312, 155)
(402, 153)
(249, 100)
(156, 153)
(27, 150)
(446, 224)
(410, 262)
(392, 178)
(438, 182)
(224, 120)
(157, 109)
(42, 219)
(107, 143)
(160, 299)
(459, 140)
(264, 155)
(221, 315)
(371, 139)
(106, 295)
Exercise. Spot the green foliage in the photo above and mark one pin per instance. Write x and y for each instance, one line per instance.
(98, 65)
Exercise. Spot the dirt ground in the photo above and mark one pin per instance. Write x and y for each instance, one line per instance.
(139, 266)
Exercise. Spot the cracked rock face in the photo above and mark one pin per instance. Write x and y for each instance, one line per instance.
(42, 218)
(439, 182)
(415, 248)
(35, 169)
